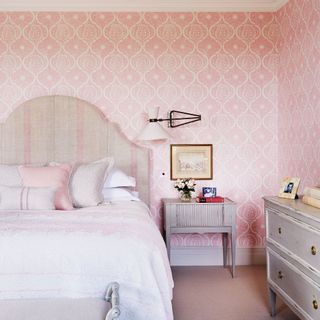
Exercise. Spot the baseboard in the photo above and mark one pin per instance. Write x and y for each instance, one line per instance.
(204, 256)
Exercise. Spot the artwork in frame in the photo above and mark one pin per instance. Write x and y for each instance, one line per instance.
(191, 161)
(289, 187)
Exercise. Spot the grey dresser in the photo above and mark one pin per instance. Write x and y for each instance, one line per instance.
(194, 217)
(293, 255)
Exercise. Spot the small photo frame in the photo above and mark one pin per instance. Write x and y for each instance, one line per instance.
(289, 188)
(209, 192)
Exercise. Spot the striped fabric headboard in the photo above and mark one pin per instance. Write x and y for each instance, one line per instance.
(67, 129)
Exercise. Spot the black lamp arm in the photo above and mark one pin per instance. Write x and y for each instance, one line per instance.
(186, 116)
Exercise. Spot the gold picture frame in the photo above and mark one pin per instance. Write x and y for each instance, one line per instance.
(191, 161)
(289, 188)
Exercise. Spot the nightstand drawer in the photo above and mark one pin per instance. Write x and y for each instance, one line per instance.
(203, 215)
(301, 289)
(297, 237)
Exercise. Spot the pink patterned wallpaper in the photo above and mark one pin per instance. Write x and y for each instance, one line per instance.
(299, 91)
(223, 66)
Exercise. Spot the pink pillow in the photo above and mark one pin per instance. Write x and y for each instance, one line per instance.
(52, 176)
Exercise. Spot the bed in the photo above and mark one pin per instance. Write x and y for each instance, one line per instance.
(61, 258)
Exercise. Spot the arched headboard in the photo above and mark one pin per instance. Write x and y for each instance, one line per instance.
(67, 129)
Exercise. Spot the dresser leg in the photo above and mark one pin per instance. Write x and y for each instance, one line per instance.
(272, 299)
(233, 251)
(225, 248)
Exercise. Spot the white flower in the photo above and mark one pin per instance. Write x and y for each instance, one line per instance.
(177, 183)
(185, 184)
(181, 185)
(190, 184)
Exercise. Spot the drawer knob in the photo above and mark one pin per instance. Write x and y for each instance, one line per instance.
(279, 230)
(313, 250)
(280, 275)
(315, 304)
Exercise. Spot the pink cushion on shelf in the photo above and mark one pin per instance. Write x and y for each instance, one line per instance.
(51, 176)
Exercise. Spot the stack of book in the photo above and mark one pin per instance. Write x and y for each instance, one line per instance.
(312, 196)
(202, 199)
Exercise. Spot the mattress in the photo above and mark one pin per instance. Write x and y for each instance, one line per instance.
(75, 254)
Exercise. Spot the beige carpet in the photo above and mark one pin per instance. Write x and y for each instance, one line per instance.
(210, 293)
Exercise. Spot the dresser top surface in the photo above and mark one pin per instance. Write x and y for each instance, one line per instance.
(227, 201)
(296, 206)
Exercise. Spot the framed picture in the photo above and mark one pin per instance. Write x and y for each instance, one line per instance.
(289, 188)
(191, 161)
(209, 192)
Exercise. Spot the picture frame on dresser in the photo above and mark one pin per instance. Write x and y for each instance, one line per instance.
(191, 161)
(289, 188)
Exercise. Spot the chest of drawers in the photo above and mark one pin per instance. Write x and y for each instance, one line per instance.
(293, 255)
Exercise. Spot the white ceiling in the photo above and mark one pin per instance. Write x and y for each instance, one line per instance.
(142, 5)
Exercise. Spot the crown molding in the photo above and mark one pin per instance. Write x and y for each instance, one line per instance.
(144, 5)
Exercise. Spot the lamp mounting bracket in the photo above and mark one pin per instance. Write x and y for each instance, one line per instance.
(179, 118)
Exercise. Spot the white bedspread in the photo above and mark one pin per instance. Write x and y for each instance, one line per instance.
(77, 253)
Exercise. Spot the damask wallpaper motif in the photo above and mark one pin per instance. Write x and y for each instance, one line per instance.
(299, 91)
(223, 66)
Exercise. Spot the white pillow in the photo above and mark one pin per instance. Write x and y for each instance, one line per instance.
(117, 178)
(9, 175)
(27, 198)
(86, 182)
(119, 194)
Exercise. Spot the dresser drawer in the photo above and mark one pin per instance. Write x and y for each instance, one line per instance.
(297, 237)
(303, 292)
(203, 215)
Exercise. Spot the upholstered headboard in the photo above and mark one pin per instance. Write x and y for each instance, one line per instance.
(67, 129)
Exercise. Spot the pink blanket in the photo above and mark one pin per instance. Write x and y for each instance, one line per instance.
(77, 253)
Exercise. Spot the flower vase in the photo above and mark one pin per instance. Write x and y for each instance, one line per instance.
(186, 196)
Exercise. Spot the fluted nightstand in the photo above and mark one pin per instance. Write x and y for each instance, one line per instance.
(194, 217)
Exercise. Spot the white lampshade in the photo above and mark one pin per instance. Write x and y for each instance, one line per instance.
(153, 130)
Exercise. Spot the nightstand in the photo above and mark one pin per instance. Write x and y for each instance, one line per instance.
(194, 217)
